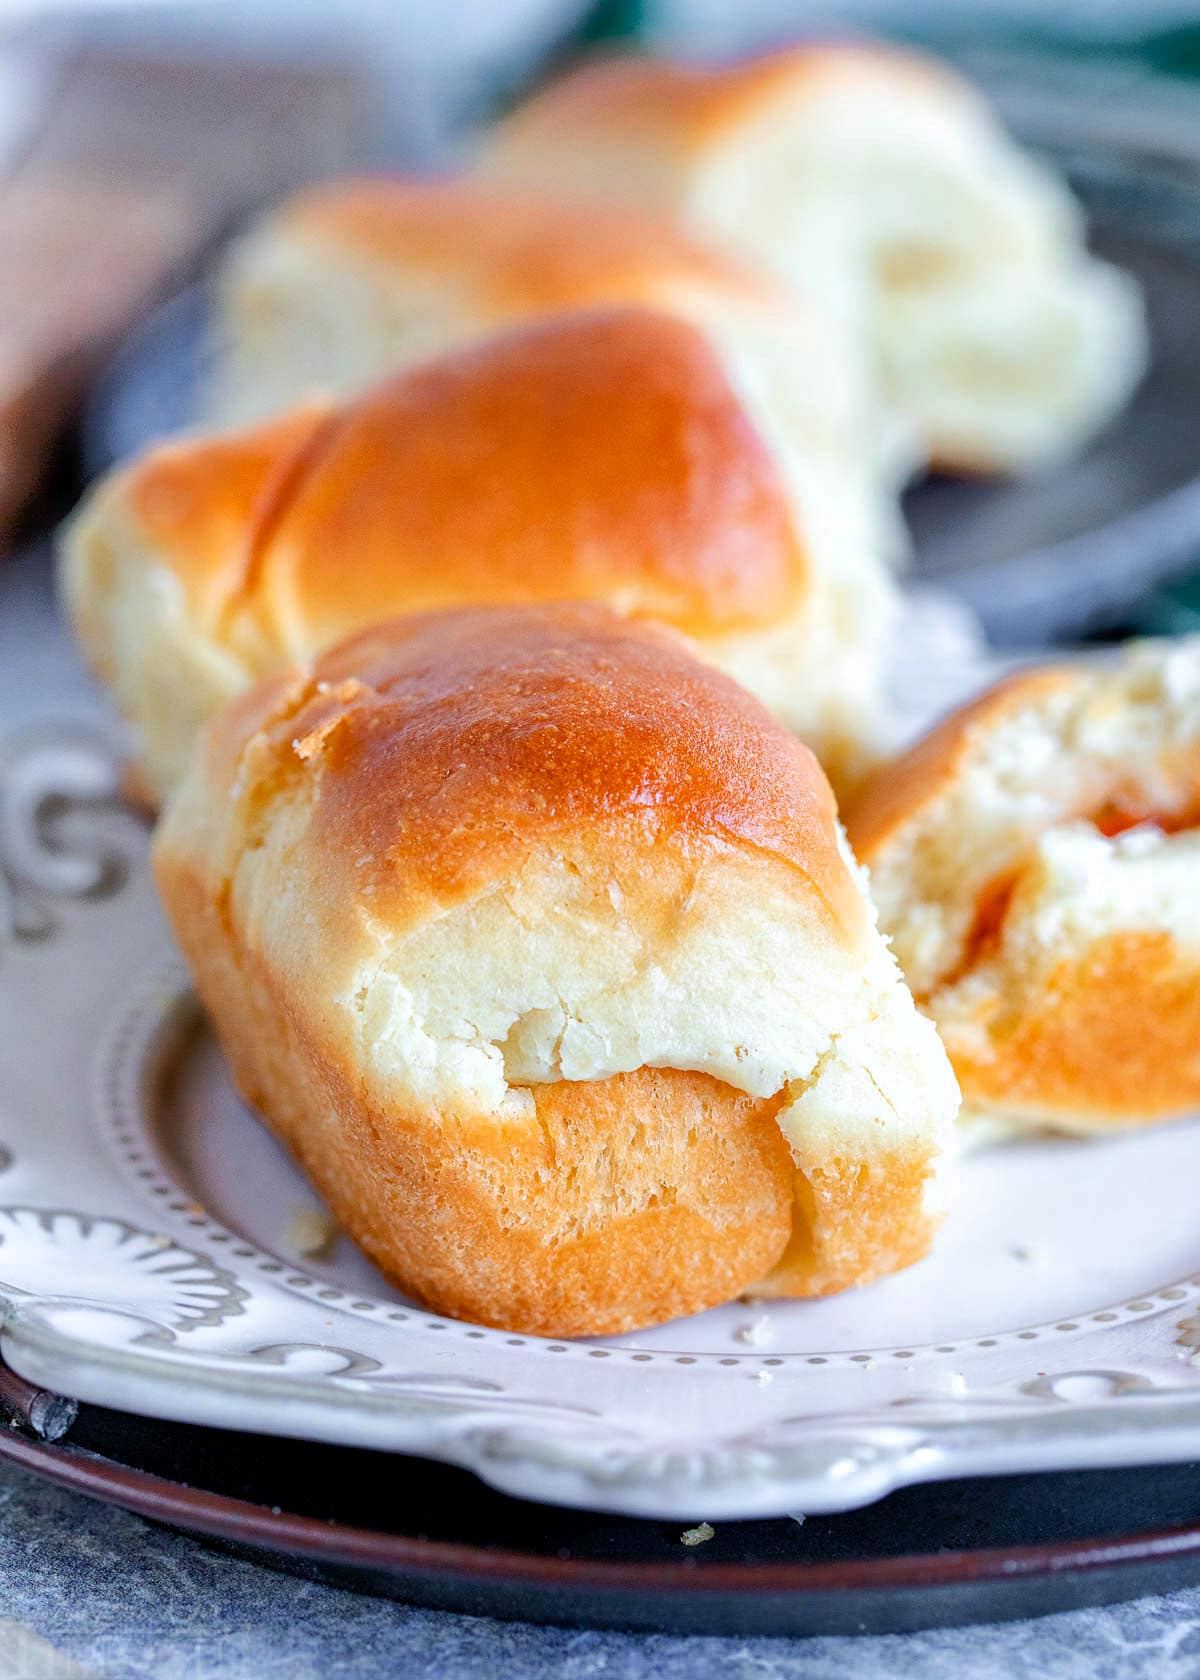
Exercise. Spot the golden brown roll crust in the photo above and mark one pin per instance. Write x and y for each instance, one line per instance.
(605, 456)
(1113, 1040)
(517, 253)
(629, 1201)
(493, 715)
(459, 901)
(844, 1225)
(213, 507)
(616, 462)
(1035, 860)
(608, 458)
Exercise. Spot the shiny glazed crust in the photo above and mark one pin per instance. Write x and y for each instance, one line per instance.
(567, 460)
(596, 457)
(511, 253)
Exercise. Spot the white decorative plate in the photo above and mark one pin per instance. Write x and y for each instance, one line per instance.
(147, 1259)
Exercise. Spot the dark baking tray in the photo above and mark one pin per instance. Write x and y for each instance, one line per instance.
(968, 1551)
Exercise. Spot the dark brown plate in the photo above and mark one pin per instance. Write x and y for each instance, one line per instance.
(970, 1551)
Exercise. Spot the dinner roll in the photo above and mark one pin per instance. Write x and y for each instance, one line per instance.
(1036, 862)
(606, 456)
(353, 279)
(878, 183)
(537, 941)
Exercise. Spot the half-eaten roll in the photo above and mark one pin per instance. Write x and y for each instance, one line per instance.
(1036, 861)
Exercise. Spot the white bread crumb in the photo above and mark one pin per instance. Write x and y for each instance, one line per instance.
(757, 1333)
(310, 1232)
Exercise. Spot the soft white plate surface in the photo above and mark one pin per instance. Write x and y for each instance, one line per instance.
(148, 1261)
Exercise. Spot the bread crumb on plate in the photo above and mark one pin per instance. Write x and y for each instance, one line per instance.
(757, 1333)
(311, 1232)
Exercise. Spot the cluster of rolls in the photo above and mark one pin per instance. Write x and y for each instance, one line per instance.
(493, 651)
